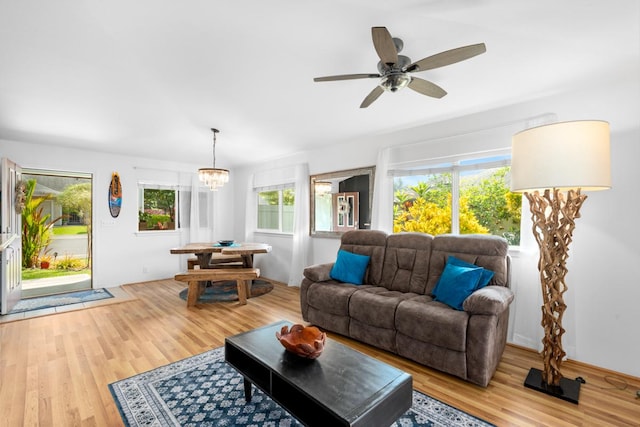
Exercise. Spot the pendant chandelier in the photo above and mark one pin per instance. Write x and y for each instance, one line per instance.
(213, 178)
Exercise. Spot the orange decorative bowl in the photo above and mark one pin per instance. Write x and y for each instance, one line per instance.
(304, 341)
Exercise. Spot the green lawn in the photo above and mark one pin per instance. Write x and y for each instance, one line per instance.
(37, 273)
(70, 229)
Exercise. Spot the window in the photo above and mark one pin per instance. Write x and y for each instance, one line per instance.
(470, 196)
(157, 208)
(275, 210)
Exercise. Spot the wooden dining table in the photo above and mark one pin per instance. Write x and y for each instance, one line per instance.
(205, 251)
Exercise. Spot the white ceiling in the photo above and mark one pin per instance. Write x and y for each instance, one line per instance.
(151, 77)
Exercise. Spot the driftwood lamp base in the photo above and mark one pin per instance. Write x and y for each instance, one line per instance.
(553, 214)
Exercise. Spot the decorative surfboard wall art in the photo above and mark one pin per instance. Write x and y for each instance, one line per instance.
(115, 195)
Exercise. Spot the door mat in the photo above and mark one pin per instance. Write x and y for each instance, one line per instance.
(38, 303)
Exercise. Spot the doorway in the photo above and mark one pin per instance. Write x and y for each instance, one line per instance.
(57, 255)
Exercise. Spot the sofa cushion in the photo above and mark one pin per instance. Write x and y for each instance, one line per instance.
(376, 306)
(484, 278)
(489, 252)
(331, 297)
(350, 267)
(456, 284)
(406, 262)
(432, 322)
(367, 242)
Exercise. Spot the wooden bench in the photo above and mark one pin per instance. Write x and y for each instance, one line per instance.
(196, 280)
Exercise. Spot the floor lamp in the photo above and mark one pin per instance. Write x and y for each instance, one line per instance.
(552, 165)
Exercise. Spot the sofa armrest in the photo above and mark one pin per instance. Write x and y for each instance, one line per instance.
(488, 300)
(318, 272)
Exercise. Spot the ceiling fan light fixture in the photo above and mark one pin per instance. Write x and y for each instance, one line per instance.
(394, 81)
(213, 178)
(394, 70)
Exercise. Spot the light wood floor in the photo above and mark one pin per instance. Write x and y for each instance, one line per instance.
(55, 370)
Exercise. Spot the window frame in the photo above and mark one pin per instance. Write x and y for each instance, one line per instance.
(456, 167)
(142, 186)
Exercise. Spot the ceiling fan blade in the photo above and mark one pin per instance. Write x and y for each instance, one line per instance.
(385, 47)
(426, 88)
(447, 57)
(373, 95)
(345, 77)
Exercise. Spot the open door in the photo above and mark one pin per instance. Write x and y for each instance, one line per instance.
(11, 242)
(66, 199)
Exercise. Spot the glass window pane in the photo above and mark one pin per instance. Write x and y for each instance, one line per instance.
(422, 203)
(158, 210)
(288, 202)
(488, 206)
(269, 210)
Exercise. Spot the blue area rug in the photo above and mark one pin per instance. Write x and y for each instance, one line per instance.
(49, 301)
(204, 391)
(228, 291)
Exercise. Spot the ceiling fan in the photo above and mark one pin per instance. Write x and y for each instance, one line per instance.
(394, 70)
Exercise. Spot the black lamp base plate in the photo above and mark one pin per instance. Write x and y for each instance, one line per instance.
(568, 390)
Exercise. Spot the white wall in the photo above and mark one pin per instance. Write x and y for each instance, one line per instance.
(604, 257)
(120, 254)
(603, 291)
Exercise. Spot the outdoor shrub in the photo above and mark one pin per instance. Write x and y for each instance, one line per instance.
(154, 219)
(69, 263)
(36, 226)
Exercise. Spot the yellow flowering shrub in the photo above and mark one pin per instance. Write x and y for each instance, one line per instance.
(427, 217)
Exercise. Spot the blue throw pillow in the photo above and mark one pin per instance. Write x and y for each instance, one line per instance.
(455, 284)
(350, 267)
(486, 274)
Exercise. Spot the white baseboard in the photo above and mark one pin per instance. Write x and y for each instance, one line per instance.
(527, 342)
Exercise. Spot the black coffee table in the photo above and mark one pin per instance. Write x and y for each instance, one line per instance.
(342, 387)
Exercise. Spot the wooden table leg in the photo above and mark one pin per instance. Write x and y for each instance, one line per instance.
(193, 293)
(247, 262)
(204, 259)
(242, 291)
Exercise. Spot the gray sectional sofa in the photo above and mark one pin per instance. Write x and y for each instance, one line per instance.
(394, 308)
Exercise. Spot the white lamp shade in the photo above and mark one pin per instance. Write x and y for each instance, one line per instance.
(567, 155)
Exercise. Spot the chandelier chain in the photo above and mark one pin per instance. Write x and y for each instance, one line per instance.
(215, 131)
(213, 177)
